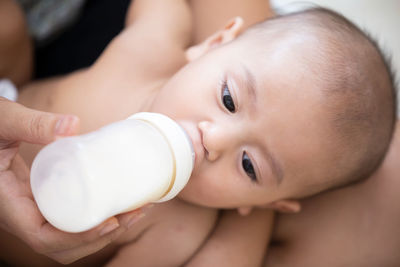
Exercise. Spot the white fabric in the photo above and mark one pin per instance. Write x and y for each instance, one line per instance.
(8, 90)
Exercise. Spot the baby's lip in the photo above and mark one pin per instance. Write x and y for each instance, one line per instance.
(195, 136)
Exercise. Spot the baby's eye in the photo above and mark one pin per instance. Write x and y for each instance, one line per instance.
(227, 98)
(248, 167)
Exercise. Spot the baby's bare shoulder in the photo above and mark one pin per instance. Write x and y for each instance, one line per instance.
(168, 236)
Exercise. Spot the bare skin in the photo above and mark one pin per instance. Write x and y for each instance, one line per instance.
(177, 222)
(300, 240)
(354, 226)
(64, 94)
(15, 44)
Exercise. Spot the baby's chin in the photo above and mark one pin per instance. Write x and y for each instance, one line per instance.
(193, 197)
(189, 196)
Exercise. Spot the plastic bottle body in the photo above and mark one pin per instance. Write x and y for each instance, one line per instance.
(78, 182)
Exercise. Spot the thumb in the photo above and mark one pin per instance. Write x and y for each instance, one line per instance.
(18, 123)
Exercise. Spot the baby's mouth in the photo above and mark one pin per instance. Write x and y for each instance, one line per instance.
(196, 137)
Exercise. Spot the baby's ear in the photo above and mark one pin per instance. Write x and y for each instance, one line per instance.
(227, 34)
(285, 206)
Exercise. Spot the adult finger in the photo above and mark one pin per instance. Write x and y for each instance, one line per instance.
(18, 123)
(56, 240)
(71, 255)
(126, 220)
(20, 216)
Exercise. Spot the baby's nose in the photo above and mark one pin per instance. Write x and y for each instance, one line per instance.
(214, 139)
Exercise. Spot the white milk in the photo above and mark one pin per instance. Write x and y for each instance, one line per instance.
(80, 181)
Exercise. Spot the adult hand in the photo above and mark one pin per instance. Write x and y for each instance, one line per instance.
(19, 213)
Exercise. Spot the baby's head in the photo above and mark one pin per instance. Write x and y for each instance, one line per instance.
(294, 106)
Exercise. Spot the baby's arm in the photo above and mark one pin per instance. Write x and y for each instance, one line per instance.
(237, 240)
(155, 38)
(170, 18)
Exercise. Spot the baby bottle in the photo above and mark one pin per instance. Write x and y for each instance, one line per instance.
(80, 181)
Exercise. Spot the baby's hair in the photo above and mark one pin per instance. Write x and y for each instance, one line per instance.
(358, 83)
(366, 106)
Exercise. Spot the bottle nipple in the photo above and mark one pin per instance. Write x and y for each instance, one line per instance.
(181, 146)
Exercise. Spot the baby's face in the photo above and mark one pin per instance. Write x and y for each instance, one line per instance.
(257, 124)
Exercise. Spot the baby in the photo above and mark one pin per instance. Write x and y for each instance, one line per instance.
(292, 107)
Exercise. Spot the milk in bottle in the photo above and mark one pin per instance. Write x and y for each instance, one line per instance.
(80, 181)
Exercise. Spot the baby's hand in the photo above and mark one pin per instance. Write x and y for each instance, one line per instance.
(19, 214)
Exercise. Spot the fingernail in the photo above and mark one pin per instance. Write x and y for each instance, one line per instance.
(134, 219)
(108, 228)
(64, 125)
